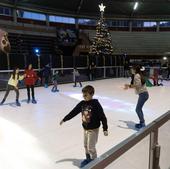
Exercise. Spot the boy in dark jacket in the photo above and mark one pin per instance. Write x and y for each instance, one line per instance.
(92, 114)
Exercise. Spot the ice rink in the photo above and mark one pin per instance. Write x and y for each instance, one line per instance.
(31, 137)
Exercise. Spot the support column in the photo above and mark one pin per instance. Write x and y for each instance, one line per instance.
(130, 26)
(25, 59)
(157, 26)
(47, 20)
(154, 151)
(76, 23)
(15, 15)
(104, 65)
(116, 66)
(62, 64)
(111, 60)
(8, 61)
(39, 63)
(88, 62)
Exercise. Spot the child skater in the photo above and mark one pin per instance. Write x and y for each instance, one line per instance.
(30, 79)
(92, 114)
(140, 88)
(76, 77)
(55, 78)
(13, 85)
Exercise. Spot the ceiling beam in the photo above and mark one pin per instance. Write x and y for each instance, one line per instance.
(6, 3)
(53, 11)
(79, 6)
(144, 1)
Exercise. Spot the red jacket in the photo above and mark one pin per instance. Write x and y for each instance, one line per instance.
(30, 77)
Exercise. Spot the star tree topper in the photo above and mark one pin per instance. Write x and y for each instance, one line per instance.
(102, 7)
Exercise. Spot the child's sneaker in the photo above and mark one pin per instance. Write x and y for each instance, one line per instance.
(53, 89)
(2, 102)
(140, 125)
(18, 103)
(34, 101)
(28, 101)
(85, 162)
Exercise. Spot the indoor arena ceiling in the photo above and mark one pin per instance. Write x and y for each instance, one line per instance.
(89, 8)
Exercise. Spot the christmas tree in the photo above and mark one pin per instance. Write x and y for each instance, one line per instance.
(101, 43)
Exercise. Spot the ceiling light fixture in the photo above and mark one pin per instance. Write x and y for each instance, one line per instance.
(135, 6)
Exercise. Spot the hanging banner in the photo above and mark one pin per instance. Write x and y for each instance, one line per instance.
(4, 42)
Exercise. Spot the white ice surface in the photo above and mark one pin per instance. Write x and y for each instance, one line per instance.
(31, 137)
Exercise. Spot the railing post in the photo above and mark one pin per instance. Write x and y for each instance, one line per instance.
(104, 72)
(8, 61)
(157, 156)
(116, 71)
(154, 150)
(123, 71)
(39, 63)
(62, 64)
(104, 67)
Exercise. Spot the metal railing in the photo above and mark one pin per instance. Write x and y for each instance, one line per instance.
(66, 74)
(154, 148)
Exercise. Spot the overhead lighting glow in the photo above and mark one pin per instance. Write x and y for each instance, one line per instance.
(164, 58)
(135, 6)
(36, 50)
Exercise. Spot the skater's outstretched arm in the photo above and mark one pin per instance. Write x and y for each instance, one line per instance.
(72, 114)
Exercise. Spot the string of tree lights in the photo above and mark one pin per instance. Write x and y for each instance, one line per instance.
(101, 43)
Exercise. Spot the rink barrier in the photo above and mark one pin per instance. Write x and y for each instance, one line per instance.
(154, 148)
(101, 72)
(66, 74)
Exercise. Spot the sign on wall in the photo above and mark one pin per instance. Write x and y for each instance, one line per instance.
(4, 42)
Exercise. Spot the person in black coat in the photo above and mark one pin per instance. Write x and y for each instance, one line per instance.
(46, 73)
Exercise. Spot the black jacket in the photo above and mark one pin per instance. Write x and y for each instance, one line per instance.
(92, 114)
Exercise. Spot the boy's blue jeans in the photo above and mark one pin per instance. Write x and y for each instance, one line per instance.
(143, 97)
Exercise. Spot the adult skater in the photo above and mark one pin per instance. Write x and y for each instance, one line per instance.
(55, 83)
(46, 73)
(140, 88)
(92, 71)
(30, 79)
(13, 85)
(92, 115)
(76, 77)
(126, 69)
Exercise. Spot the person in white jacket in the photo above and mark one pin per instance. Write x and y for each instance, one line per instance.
(13, 85)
